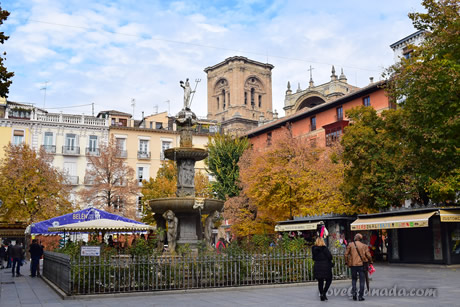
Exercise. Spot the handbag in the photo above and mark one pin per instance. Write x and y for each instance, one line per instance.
(371, 269)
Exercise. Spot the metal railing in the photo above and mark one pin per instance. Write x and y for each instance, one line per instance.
(72, 180)
(49, 148)
(145, 155)
(126, 273)
(91, 151)
(71, 150)
(56, 268)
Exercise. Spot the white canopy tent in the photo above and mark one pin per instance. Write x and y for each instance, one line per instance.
(103, 225)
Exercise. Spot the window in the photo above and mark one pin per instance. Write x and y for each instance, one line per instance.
(143, 152)
(121, 143)
(245, 97)
(164, 145)
(70, 169)
(48, 139)
(333, 135)
(18, 137)
(140, 174)
(70, 141)
(339, 113)
(218, 103)
(121, 146)
(260, 101)
(143, 146)
(140, 206)
(92, 143)
(269, 139)
(151, 125)
(223, 99)
(158, 125)
(252, 96)
(367, 101)
(313, 123)
(122, 122)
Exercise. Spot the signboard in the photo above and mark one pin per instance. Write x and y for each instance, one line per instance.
(390, 225)
(94, 251)
(450, 216)
(294, 227)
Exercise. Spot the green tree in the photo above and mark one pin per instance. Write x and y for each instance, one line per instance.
(5, 76)
(222, 163)
(377, 174)
(30, 188)
(428, 89)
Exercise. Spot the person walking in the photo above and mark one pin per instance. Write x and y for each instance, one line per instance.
(356, 255)
(16, 253)
(322, 268)
(36, 253)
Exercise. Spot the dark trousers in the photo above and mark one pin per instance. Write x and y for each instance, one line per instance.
(34, 266)
(323, 288)
(355, 271)
(17, 264)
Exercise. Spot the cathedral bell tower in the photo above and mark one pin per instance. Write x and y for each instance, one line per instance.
(239, 93)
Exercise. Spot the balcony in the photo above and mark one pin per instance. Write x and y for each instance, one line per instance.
(72, 180)
(51, 149)
(71, 150)
(122, 154)
(143, 155)
(89, 180)
(91, 151)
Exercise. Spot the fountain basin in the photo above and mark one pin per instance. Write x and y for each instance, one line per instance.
(183, 153)
(184, 205)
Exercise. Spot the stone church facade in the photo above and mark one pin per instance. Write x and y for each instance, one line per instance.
(316, 95)
(239, 94)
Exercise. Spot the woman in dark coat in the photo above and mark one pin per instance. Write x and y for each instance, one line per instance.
(322, 269)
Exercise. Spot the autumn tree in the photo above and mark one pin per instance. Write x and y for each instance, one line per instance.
(5, 76)
(287, 179)
(31, 189)
(222, 163)
(428, 89)
(111, 182)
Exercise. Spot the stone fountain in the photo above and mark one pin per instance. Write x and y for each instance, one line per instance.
(183, 213)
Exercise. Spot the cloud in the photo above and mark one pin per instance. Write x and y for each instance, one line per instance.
(110, 52)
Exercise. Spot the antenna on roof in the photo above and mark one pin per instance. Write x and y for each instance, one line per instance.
(44, 89)
(133, 104)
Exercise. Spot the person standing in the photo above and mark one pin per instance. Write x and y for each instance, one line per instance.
(356, 255)
(322, 268)
(2, 256)
(16, 253)
(36, 253)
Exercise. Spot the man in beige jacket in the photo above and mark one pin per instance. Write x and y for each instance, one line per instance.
(355, 255)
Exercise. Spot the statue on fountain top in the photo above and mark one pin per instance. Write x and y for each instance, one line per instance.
(187, 93)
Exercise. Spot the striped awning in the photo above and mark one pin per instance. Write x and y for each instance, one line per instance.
(450, 215)
(391, 222)
(296, 227)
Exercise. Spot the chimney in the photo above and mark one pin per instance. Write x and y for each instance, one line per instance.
(371, 80)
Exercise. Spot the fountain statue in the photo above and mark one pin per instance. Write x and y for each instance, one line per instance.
(183, 213)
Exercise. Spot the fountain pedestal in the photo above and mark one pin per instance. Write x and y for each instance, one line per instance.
(187, 208)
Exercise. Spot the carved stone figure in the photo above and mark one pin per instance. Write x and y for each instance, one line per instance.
(173, 222)
(208, 225)
(187, 93)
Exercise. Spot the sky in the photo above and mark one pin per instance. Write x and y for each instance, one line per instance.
(68, 54)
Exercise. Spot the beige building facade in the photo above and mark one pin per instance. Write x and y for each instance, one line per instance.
(239, 93)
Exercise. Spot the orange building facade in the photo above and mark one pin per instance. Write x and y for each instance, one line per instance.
(323, 124)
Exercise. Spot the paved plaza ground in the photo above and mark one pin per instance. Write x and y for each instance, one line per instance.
(27, 291)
